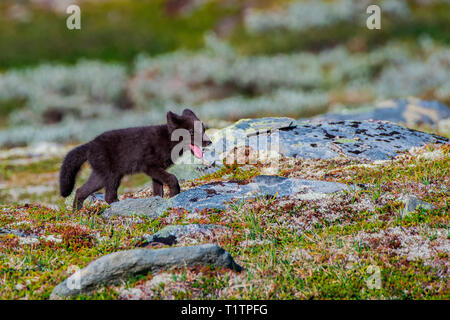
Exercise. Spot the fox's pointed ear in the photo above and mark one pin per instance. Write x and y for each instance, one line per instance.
(188, 113)
(173, 121)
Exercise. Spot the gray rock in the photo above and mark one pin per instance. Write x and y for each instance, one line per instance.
(243, 133)
(217, 194)
(371, 140)
(367, 139)
(236, 132)
(119, 265)
(411, 112)
(151, 207)
(4, 231)
(412, 203)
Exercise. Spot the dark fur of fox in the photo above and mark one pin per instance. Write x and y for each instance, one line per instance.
(117, 153)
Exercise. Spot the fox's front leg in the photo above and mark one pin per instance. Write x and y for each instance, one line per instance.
(166, 178)
(158, 189)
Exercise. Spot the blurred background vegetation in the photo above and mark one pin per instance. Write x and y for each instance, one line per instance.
(227, 59)
(34, 31)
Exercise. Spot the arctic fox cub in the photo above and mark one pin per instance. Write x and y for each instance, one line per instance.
(116, 153)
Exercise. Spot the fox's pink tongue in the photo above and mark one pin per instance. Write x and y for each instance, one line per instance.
(197, 151)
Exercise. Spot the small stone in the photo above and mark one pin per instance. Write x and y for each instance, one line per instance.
(151, 207)
(412, 203)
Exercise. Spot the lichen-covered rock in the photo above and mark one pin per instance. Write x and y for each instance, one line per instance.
(266, 139)
(119, 265)
(217, 194)
(371, 140)
(243, 133)
(411, 112)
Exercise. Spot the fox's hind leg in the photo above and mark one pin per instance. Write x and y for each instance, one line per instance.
(94, 183)
(112, 184)
(158, 189)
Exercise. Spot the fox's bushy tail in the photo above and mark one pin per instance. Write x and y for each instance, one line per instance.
(70, 167)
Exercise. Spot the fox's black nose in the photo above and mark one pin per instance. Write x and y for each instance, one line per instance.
(207, 143)
(206, 140)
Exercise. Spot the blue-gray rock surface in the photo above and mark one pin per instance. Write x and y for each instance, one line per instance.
(412, 203)
(119, 265)
(365, 139)
(371, 140)
(152, 207)
(217, 194)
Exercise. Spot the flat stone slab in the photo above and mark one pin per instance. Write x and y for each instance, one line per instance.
(120, 265)
(152, 207)
(216, 195)
(411, 112)
(366, 139)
